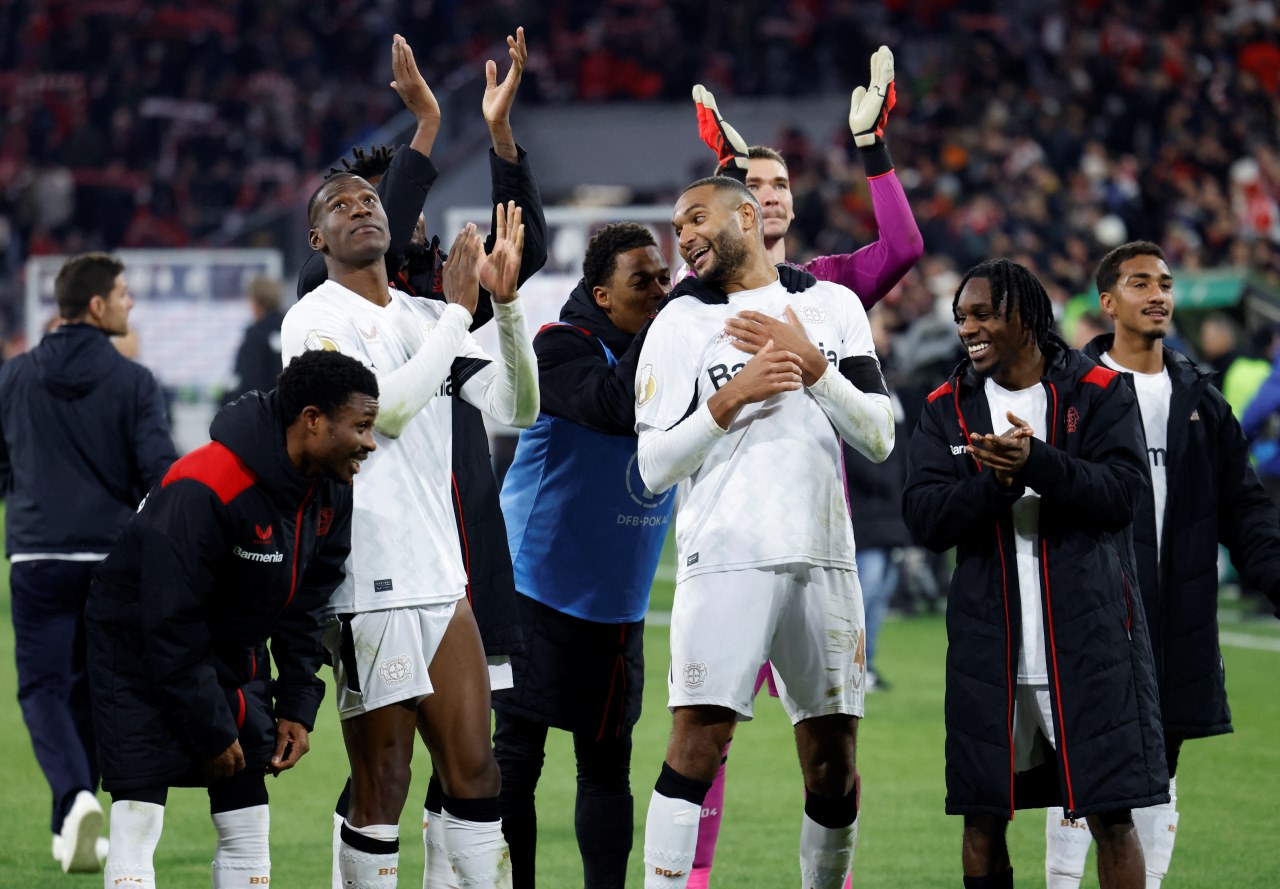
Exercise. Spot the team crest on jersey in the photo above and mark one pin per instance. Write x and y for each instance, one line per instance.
(694, 675)
(646, 385)
(396, 670)
(317, 342)
(812, 314)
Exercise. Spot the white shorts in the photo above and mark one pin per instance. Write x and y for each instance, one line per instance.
(381, 657)
(806, 621)
(1032, 723)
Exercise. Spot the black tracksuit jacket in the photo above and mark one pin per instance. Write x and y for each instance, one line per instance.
(1090, 473)
(234, 546)
(481, 530)
(1213, 496)
(83, 437)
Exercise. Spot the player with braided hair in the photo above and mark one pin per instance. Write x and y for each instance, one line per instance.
(870, 272)
(403, 176)
(1051, 696)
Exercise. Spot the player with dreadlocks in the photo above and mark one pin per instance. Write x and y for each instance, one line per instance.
(1051, 697)
(403, 177)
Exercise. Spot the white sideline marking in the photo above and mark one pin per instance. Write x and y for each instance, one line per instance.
(1245, 640)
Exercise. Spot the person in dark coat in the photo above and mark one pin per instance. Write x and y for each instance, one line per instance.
(1051, 696)
(403, 177)
(243, 541)
(258, 358)
(1203, 492)
(83, 436)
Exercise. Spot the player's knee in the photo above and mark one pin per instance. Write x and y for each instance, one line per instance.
(472, 775)
(1111, 829)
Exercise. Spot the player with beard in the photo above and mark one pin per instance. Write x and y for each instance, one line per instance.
(741, 434)
(1050, 696)
(870, 272)
(243, 541)
(1203, 493)
(405, 646)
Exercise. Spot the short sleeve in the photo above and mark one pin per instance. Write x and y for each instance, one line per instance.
(666, 379)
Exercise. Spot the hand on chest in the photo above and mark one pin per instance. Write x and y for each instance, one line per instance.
(728, 352)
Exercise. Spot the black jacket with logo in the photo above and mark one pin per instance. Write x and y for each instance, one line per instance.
(1213, 496)
(83, 437)
(1090, 473)
(234, 546)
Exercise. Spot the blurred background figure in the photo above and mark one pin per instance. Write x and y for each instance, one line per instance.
(258, 360)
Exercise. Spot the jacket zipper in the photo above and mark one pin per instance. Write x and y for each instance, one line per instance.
(1008, 635)
(297, 541)
(1069, 808)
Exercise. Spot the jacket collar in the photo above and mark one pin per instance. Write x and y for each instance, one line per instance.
(1182, 370)
(582, 311)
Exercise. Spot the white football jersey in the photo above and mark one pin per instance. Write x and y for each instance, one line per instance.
(404, 532)
(771, 490)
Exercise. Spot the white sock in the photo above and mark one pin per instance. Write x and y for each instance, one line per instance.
(135, 833)
(1066, 847)
(337, 849)
(1157, 828)
(370, 856)
(243, 858)
(826, 853)
(477, 852)
(670, 839)
(438, 873)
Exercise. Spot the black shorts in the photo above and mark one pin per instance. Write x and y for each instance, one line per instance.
(574, 674)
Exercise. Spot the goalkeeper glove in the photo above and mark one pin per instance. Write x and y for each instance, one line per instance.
(730, 148)
(869, 107)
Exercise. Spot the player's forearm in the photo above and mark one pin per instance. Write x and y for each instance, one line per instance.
(873, 270)
(504, 141)
(405, 391)
(510, 395)
(424, 137)
(864, 420)
(667, 457)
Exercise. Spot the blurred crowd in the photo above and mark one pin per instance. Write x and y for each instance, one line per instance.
(1045, 131)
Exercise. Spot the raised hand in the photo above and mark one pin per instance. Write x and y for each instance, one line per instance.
(869, 107)
(409, 83)
(461, 275)
(500, 270)
(730, 148)
(499, 97)
(752, 330)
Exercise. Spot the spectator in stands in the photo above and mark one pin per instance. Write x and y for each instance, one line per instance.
(83, 437)
(1239, 376)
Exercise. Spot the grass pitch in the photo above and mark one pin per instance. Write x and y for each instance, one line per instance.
(1228, 788)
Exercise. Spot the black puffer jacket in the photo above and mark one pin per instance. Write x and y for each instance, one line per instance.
(1213, 496)
(1090, 475)
(234, 547)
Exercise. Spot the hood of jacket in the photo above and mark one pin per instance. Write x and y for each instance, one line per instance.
(72, 360)
(1181, 368)
(581, 310)
(252, 428)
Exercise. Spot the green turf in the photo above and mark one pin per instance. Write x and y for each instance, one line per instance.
(1227, 790)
